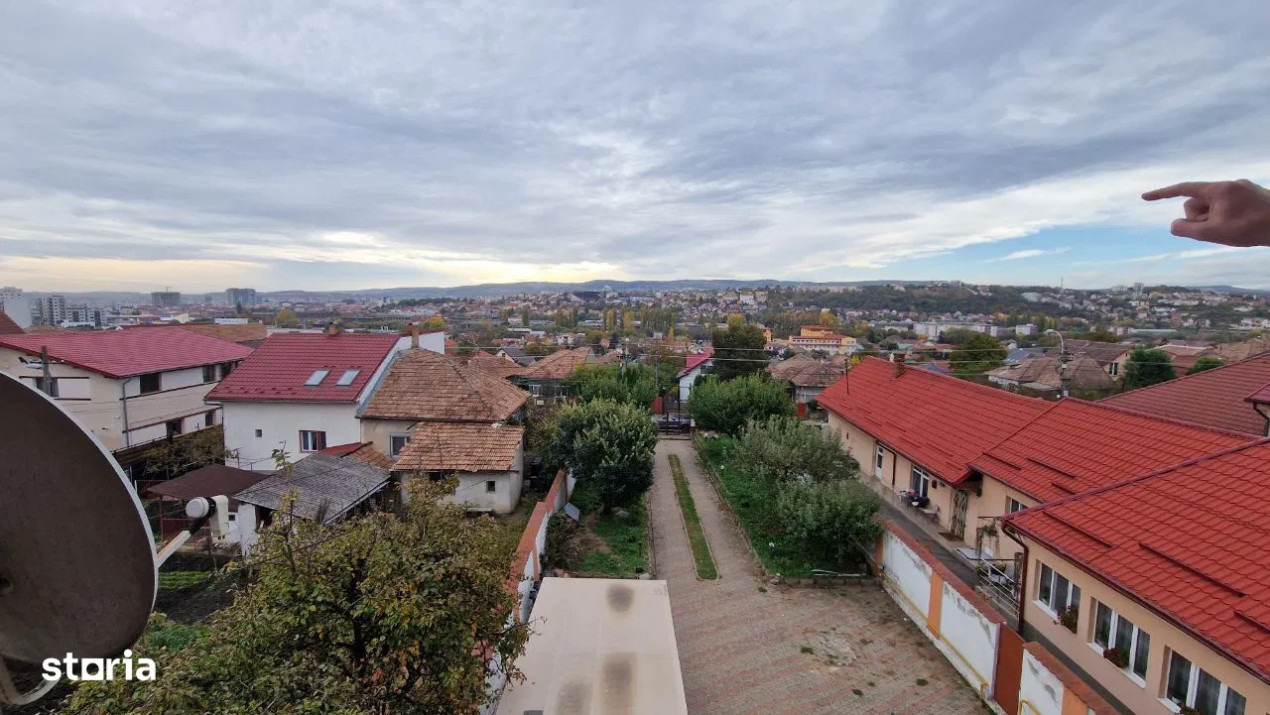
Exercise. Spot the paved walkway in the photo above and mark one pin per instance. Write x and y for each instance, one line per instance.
(743, 650)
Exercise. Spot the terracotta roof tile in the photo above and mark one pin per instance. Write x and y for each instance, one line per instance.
(558, 365)
(803, 370)
(278, 369)
(8, 326)
(939, 422)
(123, 353)
(1084, 373)
(238, 333)
(1191, 542)
(423, 385)
(1076, 446)
(1214, 398)
(362, 452)
(696, 360)
(460, 447)
(500, 367)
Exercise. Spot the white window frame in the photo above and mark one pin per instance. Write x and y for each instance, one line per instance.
(1113, 628)
(1012, 505)
(1192, 686)
(393, 451)
(315, 380)
(877, 461)
(1113, 368)
(347, 378)
(1073, 591)
(920, 477)
(309, 442)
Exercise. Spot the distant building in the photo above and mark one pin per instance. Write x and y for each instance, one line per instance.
(165, 298)
(16, 306)
(52, 309)
(246, 297)
(86, 316)
(819, 337)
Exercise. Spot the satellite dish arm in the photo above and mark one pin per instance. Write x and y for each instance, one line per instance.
(10, 695)
(200, 510)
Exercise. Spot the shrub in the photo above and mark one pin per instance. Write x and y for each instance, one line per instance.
(783, 448)
(628, 384)
(830, 519)
(607, 444)
(728, 405)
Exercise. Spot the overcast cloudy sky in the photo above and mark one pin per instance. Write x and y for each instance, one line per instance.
(359, 143)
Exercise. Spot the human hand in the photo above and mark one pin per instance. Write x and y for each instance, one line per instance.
(1234, 213)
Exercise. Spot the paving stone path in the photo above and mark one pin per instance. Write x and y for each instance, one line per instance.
(744, 649)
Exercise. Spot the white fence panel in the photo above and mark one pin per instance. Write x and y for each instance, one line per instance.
(1040, 691)
(908, 572)
(972, 636)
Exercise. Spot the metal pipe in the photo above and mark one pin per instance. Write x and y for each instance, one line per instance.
(1022, 576)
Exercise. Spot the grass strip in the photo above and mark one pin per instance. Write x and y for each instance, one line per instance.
(706, 569)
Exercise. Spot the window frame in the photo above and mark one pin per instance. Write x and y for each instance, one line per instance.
(1072, 597)
(209, 373)
(393, 450)
(209, 418)
(1192, 686)
(920, 477)
(317, 438)
(491, 486)
(1136, 635)
(176, 431)
(317, 377)
(158, 383)
(878, 459)
(1011, 503)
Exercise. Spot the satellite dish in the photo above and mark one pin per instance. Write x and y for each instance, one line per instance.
(77, 561)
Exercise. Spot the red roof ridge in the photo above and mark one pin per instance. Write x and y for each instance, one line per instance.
(1171, 420)
(911, 369)
(1202, 373)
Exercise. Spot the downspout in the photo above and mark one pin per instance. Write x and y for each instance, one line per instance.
(123, 397)
(1005, 528)
(895, 465)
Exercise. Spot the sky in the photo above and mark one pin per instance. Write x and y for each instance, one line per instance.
(345, 144)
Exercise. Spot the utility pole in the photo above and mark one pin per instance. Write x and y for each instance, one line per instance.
(46, 385)
(1062, 360)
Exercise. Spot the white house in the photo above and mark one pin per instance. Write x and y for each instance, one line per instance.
(694, 367)
(300, 392)
(126, 387)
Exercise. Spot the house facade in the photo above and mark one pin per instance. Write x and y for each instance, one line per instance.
(545, 379)
(127, 388)
(300, 392)
(694, 367)
(819, 337)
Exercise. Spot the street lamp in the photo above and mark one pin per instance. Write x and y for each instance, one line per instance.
(1062, 359)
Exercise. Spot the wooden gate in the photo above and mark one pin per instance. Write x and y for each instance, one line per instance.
(1009, 672)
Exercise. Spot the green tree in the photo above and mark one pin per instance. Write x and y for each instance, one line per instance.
(739, 350)
(1147, 366)
(977, 355)
(286, 318)
(1204, 362)
(630, 384)
(435, 324)
(727, 406)
(608, 444)
(832, 520)
(525, 315)
(388, 612)
(1102, 335)
(783, 448)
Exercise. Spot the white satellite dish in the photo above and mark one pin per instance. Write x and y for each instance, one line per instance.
(77, 561)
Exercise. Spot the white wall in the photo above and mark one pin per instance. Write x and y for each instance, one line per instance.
(973, 638)
(280, 424)
(909, 573)
(1039, 688)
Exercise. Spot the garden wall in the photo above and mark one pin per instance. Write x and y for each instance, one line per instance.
(527, 564)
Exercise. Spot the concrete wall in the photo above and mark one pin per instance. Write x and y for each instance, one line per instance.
(1138, 697)
(1040, 691)
(280, 424)
(378, 432)
(526, 566)
(95, 401)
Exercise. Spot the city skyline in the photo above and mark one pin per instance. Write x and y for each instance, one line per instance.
(317, 148)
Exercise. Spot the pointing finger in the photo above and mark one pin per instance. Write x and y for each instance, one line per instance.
(1186, 188)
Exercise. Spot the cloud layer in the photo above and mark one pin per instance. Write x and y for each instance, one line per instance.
(358, 144)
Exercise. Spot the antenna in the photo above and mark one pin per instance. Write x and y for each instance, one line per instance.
(77, 561)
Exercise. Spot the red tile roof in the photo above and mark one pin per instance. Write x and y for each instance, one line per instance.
(123, 353)
(278, 369)
(937, 421)
(559, 365)
(8, 326)
(1191, 542)
(696, 360)
(423, 385)
(461, 447)
(1214, 398)
(1076, 446)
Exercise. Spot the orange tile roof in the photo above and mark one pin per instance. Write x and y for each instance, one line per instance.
(803, 370)
(937, 421)
(460, 447)
(8, 326)
(1191, 542)
(1214, 398)
(240, 333)
(501, 367)
(423, 385)
(558, 365)
(362, 452)
(1076, 446)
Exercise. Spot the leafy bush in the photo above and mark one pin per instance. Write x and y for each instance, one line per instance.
(783, 448)
(830, 519)
(1205, 362)
(167, 635)
(728, 405)
(608, 444)
(1146, 367)
(629, 384)
(175, 580)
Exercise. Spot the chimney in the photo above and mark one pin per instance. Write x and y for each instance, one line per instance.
(899, 364)
(333, 328)
(414, 331)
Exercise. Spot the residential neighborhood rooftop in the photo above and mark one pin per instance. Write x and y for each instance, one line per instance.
(124, 353)
(559, 365)
(1214, 398)
(1191, 542)
(324, 485)
(8, 326)
(461, 447)
(803, 370)
(500, 367)
(424, 385)
(306, 367)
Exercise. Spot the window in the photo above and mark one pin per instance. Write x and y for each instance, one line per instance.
(1055, 592)
(396, 443)
(1114, 630)
(1194, 688)
(535, 390)
(150, 383)
(491, 487)
(920, 483)
(1012, 505)
(312, 440)
(48, 386)
(260, 433)
(209, 418)
(174, 428)
(209, 373)
(347, 378)
(316, 378)
(225, 369)
(1113, 368)
(877, 462)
